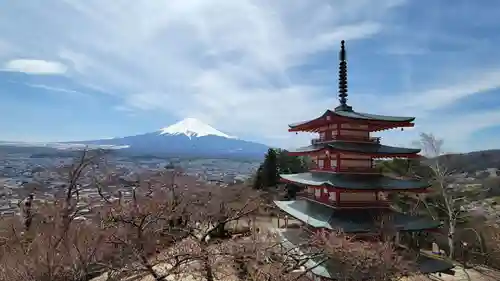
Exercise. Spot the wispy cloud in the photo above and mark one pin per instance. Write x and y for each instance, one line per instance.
(55, 89)
(35, 66)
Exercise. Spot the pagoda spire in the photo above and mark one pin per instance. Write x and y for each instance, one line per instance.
(343, 79)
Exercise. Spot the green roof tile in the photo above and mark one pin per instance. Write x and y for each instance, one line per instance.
(350, 220)
(371, 148)
(354, 181)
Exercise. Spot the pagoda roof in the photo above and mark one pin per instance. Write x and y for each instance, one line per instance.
(366, 182)
(320, 265)
(357, 147)
(351, 220)
(351, 114)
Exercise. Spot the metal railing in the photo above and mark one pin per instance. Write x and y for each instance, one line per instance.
(361, 170)
(344, 204)
(347, 138)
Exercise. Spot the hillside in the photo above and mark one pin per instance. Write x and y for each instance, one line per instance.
(473, 162)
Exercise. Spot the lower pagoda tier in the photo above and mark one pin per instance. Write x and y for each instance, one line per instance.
(326, 269)
(362, 182)
(367, 220)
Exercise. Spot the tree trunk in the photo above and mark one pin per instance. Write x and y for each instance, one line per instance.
(150, 268)
(219, 231)
(451, 240)
(209, 274)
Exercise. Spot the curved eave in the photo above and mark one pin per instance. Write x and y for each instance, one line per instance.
(309, 124)
(288, 207)
(374, 117)
(359, 183)
(378, 122)
(321, 216)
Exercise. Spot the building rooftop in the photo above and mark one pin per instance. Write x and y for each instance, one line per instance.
(352, 220)
(355, 181)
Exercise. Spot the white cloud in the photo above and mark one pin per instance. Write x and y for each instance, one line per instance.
(226, 62)
(34, 66)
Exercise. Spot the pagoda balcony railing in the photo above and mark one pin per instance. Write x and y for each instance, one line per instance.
(344, 204)
(347, 138)
(360, 170)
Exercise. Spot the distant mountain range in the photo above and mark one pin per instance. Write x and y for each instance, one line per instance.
(473, 161)
(189, 137)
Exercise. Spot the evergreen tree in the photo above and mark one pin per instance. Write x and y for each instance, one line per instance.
(257, 181)
(277, 161)
(270, 169)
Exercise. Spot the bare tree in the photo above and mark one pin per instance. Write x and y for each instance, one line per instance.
(444, 200)
(269, 258)
(147, 229)
(43, 244)
(215, 208)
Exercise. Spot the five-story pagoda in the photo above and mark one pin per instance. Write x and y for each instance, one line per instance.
(344, 190)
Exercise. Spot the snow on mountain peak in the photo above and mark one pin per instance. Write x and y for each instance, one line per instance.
(192, 127)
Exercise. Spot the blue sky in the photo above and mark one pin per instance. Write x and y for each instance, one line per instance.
(73, 70)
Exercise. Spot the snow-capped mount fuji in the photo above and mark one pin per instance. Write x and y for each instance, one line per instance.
(192, 127)
(189, 137)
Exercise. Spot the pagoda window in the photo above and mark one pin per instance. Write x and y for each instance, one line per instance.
(310, 190)
(321, 163)
(327, 165)
(328, 135)
(317, 192)
(322, 136)
(382, 196)
(333, 163)
(333, 196)
(315, 161)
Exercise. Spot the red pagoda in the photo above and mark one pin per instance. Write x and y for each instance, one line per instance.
(344, 190)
